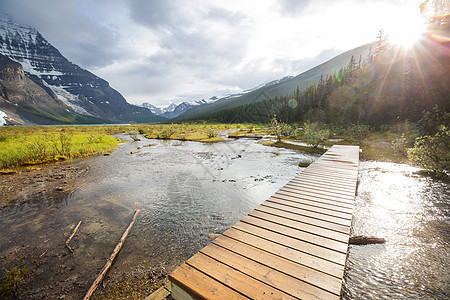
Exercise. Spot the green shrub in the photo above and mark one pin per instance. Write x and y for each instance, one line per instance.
(314, 134)
(432, 152)
(14, 278)
(358, 132)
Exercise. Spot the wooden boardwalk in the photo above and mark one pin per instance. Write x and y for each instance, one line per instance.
(292, 246)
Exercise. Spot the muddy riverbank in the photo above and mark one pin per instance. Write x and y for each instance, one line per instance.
(30, 185)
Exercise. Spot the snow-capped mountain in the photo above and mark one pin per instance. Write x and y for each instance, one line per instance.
(174, 110)
(81, 92)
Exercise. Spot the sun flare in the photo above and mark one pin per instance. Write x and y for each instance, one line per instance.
(407, 29)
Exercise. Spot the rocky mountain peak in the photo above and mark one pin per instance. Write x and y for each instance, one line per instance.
(81, 91)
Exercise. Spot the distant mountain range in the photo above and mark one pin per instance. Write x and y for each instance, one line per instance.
(38, 85)
(277, 88)
(174, 110)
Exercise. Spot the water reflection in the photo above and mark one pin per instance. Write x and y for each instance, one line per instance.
(412, 213)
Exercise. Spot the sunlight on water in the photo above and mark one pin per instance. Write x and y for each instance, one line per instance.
(412, 213)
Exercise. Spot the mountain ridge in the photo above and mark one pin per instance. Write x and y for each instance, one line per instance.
(81, 91)
(281, 87)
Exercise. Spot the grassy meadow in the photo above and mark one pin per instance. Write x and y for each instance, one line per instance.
(34, 145)
(30, 145)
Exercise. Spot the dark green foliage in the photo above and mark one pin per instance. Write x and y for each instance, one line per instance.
(432, 151)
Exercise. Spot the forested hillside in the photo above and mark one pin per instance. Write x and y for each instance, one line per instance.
(391, 84)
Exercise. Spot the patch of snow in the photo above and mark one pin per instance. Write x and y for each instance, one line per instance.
(68, 99)
(3, 115)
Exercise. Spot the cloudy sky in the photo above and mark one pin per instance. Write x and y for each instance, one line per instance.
(162, 51)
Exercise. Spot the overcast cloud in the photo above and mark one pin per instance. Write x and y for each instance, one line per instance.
(160, 50)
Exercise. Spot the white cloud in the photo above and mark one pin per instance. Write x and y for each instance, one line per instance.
(160, 50)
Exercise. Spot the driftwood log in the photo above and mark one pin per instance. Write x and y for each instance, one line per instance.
(71, 236)
(136, 151)
(365, 240)
(110, 260)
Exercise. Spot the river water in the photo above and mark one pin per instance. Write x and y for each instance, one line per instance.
(188, 190)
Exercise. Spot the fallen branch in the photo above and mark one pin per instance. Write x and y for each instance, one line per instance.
(71, 236)
(110, 259)
(365, 240)
(136, 151)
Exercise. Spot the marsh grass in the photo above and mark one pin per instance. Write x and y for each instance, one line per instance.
(31, 145)
(13, 280)
(207, 133)
(34, 145)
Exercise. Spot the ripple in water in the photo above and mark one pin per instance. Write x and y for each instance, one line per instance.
(412, 213)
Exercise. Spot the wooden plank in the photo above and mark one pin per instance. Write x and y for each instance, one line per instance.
(308, 222)
(200, 285)
(321, 192)
(317, 282)
(325, 181)
(331, 174)
(337, 168)
(159, 294)
(308, 211)
(246, 285)
(322, 184)
(329, 179)
(320, 202)
(290, 285)
(343, 202)
(325, 160)
(298, 234)
(315, 206)
(286, 252)
(349, 191)
(301, 226)
(349, 175)
(303, 246)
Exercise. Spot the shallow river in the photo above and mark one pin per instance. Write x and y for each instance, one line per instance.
(188, 190)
